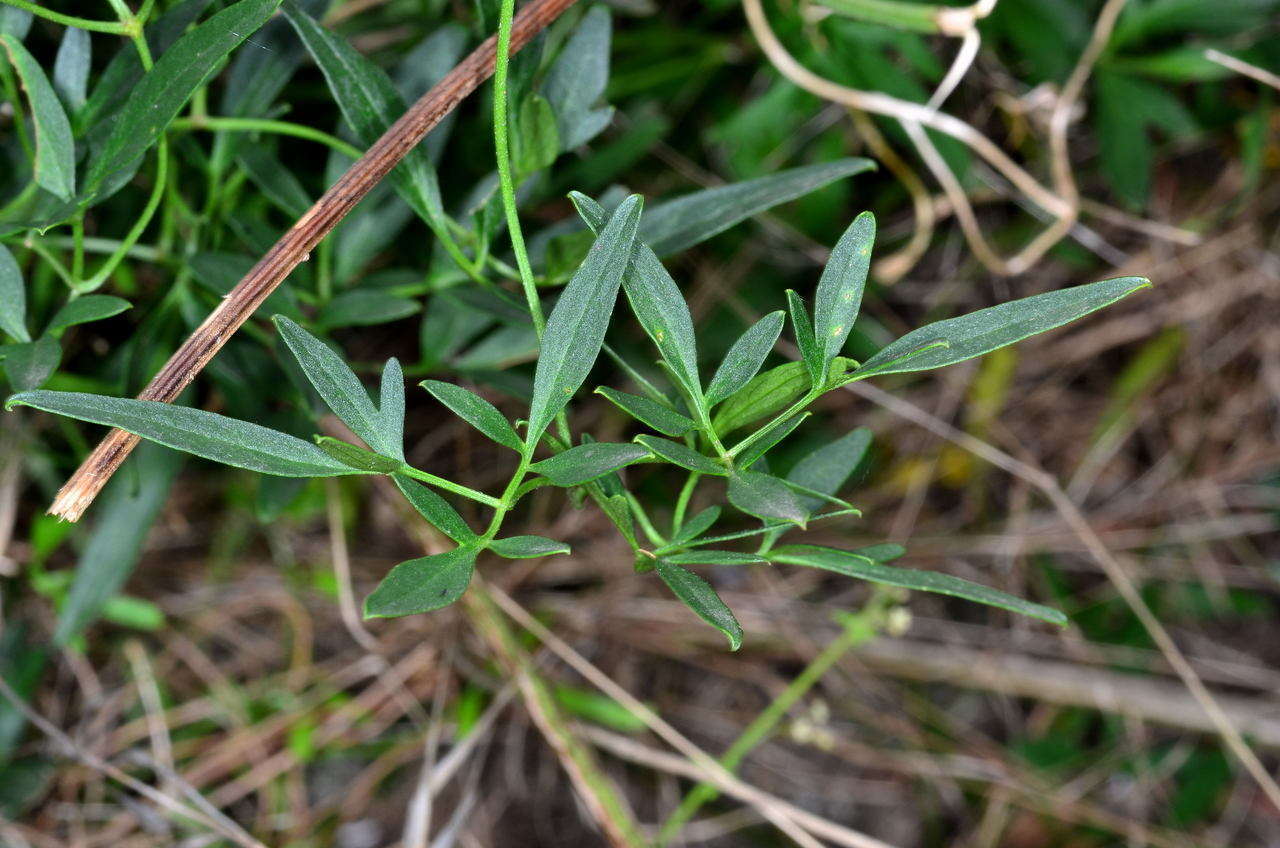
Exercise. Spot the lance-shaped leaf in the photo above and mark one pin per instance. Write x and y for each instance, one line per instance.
(575, 330)
(578, 78)
(30, 364)
(435, 509)
(810, 353)
(771, 437)
(677, 224)
(769, 393)
(82, 310)
(207, 434)
(55, 165)
(476, 411)
(336, 383)
(682, 455)
(697, 525)
(71, 67)
(423, 584)
(839, 295)
(707, 556)
(586, 462)
(698, 596)
(391, 407)
(357, 457)
(527, 547)
(656, 301)
(661, 418)
(744, 359)
(13, 297)
(854, 565)
(766, 497)
(162, 93)
(370, 104)
(995, 327)
(827, 468)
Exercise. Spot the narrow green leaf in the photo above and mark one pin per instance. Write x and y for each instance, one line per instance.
(995, 327)
(839, 295)
(682, 455)
(30, 364)
(696, 526)
(769, 393)
(82, 310)
(527, 547)
(765, 497)
(765, 443)
(827, 468)
(422, 585)
(854, 565)
(586, 462)
(336, 383)
(166, 88)
(55, 166)
(536, 141)
(744, 359)
(13, 297)
(207, 434)
(278, 184)
(357, 457)
(126, 510)
(370, 104)
(681, 223)
(659, 417)
(594, 707)
(391, 407)
(810, 353)
(656, 301)
(698, 596)
(577, 79)
(884, 552)
(365, 308)
(71, 67)
(435, 509)
(476, 411)
(707, 556)
(576, 328)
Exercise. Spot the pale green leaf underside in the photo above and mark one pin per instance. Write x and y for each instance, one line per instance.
(698, 595)
(195, 431)
(423, 584)
(863, 567)
(995, 327)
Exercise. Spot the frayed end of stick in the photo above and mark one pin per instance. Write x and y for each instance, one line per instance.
(75, 496)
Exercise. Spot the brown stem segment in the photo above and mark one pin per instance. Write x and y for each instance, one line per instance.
(295, 246)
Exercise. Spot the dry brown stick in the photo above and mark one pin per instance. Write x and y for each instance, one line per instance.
(295, 246)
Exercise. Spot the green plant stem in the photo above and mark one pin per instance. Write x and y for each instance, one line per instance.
(858, 629)
(104, 246)
(810, 397)
(746, 534)
(502, 143)
(77, 247)
(264, 125)
(139, 226)
(450, 486)
(111, 27)
(42, 250)
(682, 502)
(642, 518)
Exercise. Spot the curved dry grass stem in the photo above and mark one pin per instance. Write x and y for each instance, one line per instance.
(1062, 202)
(295, 246)
(790, 820)
(1048, 485)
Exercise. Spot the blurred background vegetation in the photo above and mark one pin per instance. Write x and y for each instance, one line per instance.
(194, 631)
